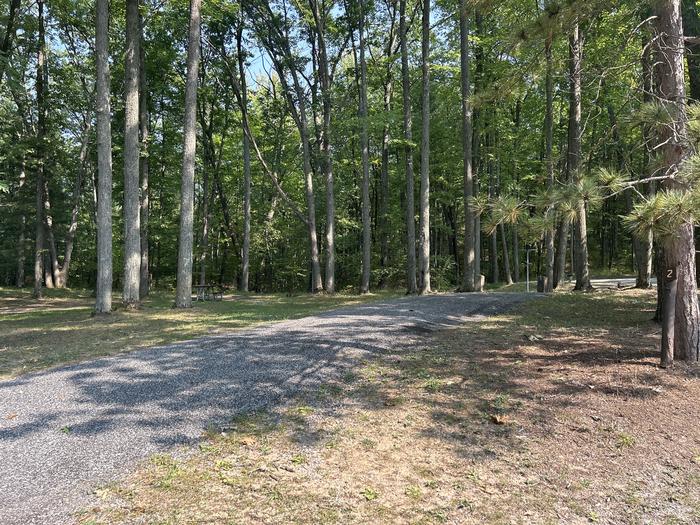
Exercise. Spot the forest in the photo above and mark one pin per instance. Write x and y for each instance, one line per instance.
(285, 146)
(277, 261)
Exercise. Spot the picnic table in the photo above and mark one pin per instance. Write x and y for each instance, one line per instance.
(209, 292)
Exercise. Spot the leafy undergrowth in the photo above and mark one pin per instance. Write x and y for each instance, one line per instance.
(556, 413)
(61, 329)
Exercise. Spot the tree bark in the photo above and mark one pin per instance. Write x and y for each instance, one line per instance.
(41, 81)
(144, 117)
(679, 250)
(411, 285)
(103, 288)
(364, 146)
(645, 245)
(325, 143)
(424, 216)
(245, 259)
(476, 146)
(583, 280)
(549, 161)
(183, 297)
(132, 226)
(468, 277)
(384, 176)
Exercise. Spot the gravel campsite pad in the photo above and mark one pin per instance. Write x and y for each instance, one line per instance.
(67, 430)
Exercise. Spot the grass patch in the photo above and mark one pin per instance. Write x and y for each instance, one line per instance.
(61, 328)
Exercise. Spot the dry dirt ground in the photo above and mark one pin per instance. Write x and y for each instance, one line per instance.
(555, 413)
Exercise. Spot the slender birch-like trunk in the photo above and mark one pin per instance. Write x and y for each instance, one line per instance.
(103, 291)
(41, 79)
(424, 216)
(144, 118)
(411, 285)
(245, 259)
(364, 146)
(183, 298)
(132, 225)
(468, 283)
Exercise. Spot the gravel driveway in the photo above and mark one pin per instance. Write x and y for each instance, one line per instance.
(65, 431)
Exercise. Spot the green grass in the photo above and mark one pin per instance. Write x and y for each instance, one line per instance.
(593, 311)
(61, 328)
(520, 287)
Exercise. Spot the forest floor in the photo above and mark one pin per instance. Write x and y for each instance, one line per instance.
(61, 329)
(553, 413)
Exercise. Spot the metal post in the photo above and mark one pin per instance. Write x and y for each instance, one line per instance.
(528, 249)
(527, 270)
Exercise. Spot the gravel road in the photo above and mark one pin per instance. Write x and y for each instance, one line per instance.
(66, 431)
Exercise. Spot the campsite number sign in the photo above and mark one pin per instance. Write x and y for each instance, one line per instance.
(670, 274)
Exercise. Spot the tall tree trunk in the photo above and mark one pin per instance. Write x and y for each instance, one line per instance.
(424, 216)
(476, 146)
(468, 283)
(645, 244)
(183, 297)
(41, 80)
(144, 117)
(364, 146)
(583, 279)
(132, 226)
(679, 250)
(319, 15)
(516, 177)
(245, 259)
(549, 141)
(411, 285)
(574, 145)
(103, 291)
(316, 279)
(384, 177)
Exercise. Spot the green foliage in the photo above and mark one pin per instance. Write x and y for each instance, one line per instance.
(664, 213)
(507, 42)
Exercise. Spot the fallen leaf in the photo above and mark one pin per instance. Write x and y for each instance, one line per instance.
(497, 419)
(248, 441)
(11, 416)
